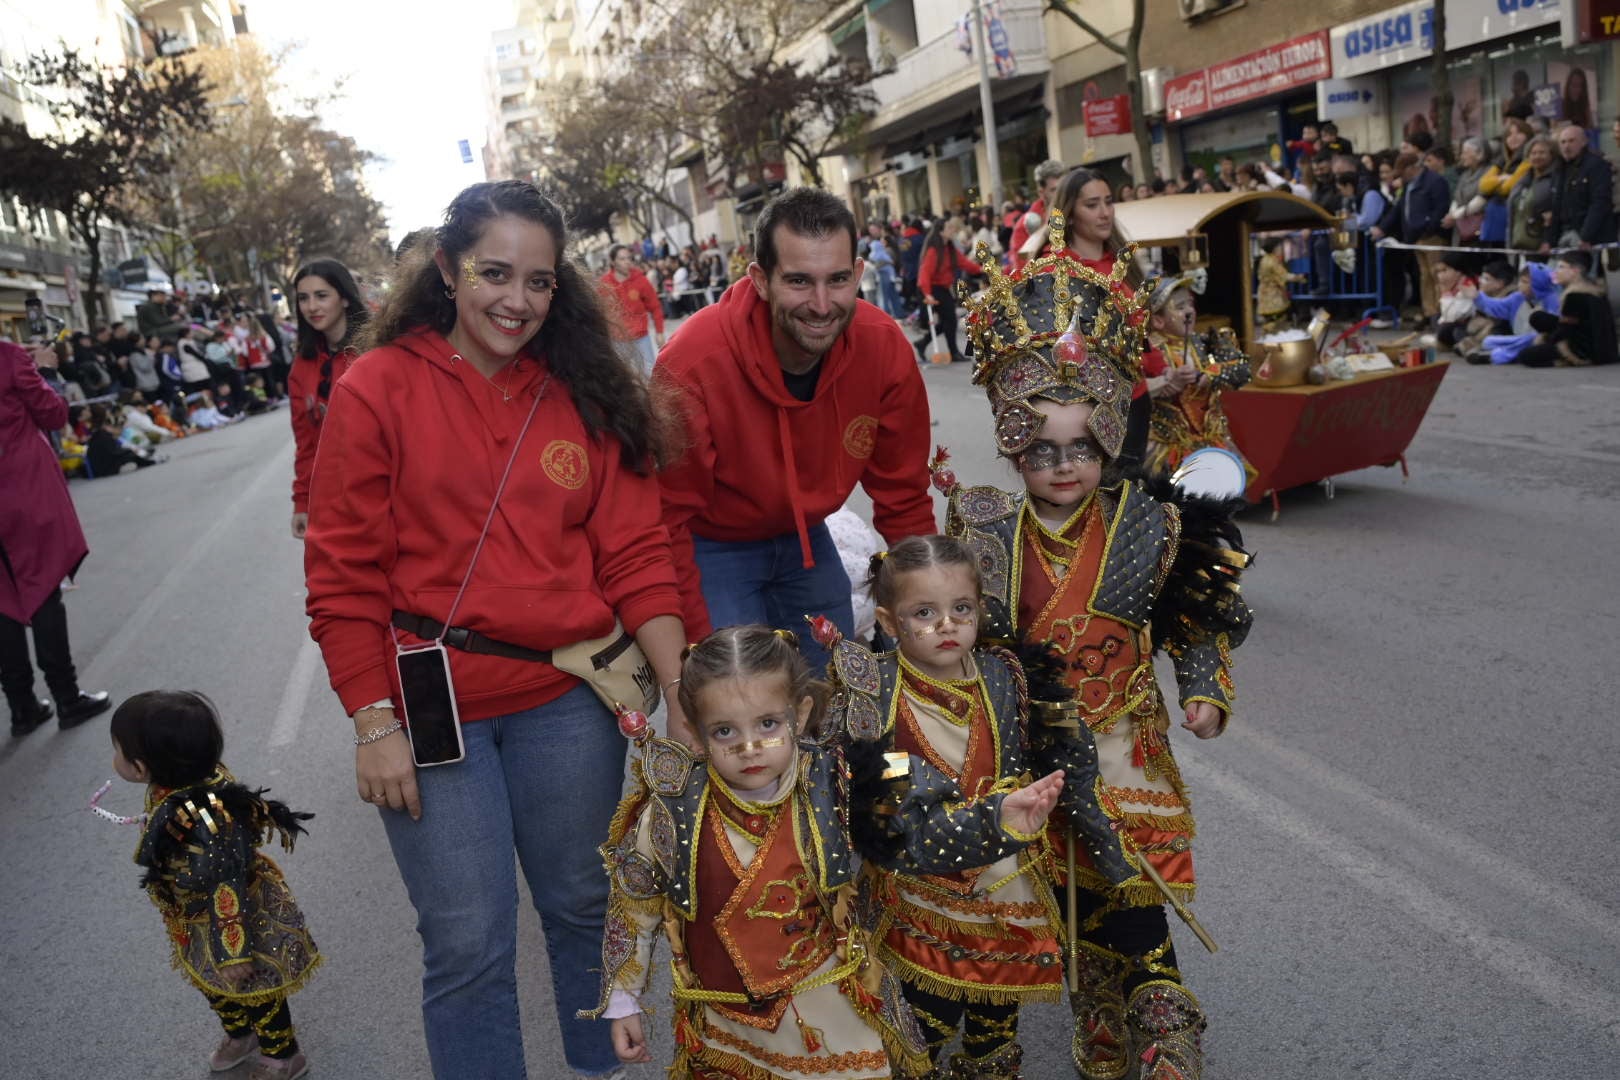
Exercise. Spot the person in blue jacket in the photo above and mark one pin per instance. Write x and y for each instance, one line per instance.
(1425, 198)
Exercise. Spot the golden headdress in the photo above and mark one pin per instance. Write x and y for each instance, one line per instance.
(1057, 329)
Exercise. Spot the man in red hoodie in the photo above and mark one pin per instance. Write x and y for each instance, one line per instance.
(1048, 175)
(793, 391)
(636, 299)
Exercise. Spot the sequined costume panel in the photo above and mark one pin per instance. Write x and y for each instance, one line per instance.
(773, 981)
(224, 905)
(985, 932)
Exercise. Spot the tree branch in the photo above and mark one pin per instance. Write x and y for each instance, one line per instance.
(1062, 8)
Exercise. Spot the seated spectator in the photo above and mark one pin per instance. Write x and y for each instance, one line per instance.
(1582, 331)
(203, 414)
(139, 427)
(107, 452)
(164, 419)
(1496, 280)
(1458, 287)
(143, 368)
(1536, 287)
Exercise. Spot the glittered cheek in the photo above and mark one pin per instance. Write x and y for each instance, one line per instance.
(469, 273)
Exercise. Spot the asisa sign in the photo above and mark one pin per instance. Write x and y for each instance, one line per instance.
(1406, 33)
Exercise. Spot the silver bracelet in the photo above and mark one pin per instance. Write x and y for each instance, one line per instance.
(377, 733)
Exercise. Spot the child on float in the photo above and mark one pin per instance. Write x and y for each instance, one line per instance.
(742, 858)
(237, 933)
(1272, 301)
(1105, 571)
(1187, 413)
(972, 944)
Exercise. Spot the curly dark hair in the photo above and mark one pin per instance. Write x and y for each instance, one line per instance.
(576, 337)
(335, 274)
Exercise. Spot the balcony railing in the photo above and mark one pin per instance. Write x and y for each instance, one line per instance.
(937, 69)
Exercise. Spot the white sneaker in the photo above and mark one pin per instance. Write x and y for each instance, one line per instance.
(1381, 324)
(1428, 341)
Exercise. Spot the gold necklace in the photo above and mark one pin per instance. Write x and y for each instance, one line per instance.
(511, 372)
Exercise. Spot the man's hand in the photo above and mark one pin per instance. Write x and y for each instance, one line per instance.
(300, 525)
(1181, 377)
(1203, 719)
(1025, 811)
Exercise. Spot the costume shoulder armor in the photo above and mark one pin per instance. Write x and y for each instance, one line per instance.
(983, 505)
(1139, 530)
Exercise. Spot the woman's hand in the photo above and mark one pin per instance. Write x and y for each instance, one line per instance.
(1204, 719)
(629, 1042)
(300, 525)
(1025, 811)
(384, 773)
(679, 727)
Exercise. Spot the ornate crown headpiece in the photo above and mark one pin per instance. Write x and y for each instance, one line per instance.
(1057, 329)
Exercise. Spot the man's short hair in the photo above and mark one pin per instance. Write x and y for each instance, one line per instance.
(1330, 128)
(1422, 140)
(1406, 161)
(613, 252)
(1322, 157)
(1501, 270)
(1580, 260)
(1050, 169)
(803, 211)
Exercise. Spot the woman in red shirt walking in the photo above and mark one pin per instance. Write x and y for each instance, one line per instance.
(330, 315)
(486, 481)
(936, 277)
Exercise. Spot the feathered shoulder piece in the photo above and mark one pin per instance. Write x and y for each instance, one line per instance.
(874, 792)
(205, 815)
(1202, 596)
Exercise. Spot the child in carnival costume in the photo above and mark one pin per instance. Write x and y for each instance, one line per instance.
(236, 931)
(1187, 413)
(1104, 570)
(972, 944)
(745, 861)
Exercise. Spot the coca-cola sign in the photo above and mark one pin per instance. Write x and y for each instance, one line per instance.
(1272, 70)
(1186, 95)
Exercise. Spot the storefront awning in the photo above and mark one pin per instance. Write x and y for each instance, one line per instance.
(1169, 219)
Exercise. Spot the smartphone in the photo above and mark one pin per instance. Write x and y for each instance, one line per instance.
(431, 719)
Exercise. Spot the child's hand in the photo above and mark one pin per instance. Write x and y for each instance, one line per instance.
(1203, 719)
(1026, 810)
(629, 1043)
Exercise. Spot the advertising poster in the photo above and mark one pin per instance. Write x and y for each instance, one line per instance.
(1516, 79)
(1577, 93)
(1416, 109)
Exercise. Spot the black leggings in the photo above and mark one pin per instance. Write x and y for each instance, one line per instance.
(270, 1020)
(945, 320)
(1129, 932)
(986, 1028)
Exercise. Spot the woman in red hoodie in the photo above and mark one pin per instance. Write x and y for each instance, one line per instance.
(330, 315)
(1087, 202)
(493, 364)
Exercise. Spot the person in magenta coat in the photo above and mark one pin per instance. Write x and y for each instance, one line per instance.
(40, 544)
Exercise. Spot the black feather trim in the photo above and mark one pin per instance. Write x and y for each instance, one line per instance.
(1200, 598)
(1043, 671)
(869, 830)
(165, 841)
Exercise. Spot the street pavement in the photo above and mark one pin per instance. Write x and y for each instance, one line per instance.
(1406, 841)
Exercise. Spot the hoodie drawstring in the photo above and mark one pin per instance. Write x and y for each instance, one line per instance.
(794, 495)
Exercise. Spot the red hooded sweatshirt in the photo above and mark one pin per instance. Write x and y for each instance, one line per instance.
(635, 299)
(413, 448)
(308, 411)
(760, 463)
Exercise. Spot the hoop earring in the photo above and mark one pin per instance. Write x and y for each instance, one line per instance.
(449, 292)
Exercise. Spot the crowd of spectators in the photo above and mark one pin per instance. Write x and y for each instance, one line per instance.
(187, 366)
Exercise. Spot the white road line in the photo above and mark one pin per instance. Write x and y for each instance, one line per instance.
(295, 699)
(1557, 983)
(1599, 386)
(1491, 864)
(1507, 443)
(161, 596)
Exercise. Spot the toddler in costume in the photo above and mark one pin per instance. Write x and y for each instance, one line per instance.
(237, 933)
(974, 942)
(1105, 570)
(746, 863)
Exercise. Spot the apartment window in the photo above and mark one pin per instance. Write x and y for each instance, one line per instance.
(8, 214)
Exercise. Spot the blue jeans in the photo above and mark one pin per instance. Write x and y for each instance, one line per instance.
(765, 581)
(544, 782)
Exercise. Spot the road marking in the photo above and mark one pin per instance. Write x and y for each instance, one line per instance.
(1505, 443)
(161, 598)
(1599, 386)
(294, 700)
(1557, 983)
(1492, 864)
